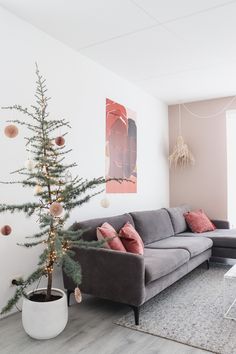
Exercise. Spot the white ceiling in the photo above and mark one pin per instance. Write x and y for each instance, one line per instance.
(177, 50)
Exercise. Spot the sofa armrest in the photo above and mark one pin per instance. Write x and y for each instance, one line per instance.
(111, 275)
(221, 224)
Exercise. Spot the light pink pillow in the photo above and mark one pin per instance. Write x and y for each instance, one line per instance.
(107, 232)
(131, 239)
(198, 221)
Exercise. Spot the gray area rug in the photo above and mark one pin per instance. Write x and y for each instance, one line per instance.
(190, 312)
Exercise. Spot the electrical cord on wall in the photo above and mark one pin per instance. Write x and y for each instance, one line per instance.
(211, 115)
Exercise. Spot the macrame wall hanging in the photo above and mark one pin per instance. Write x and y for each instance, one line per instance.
(181, 155)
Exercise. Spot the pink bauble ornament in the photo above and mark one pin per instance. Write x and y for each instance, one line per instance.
(11, 131)
(56, 209)
(60, 141)
(6, 230)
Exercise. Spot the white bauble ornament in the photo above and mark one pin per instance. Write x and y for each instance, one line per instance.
(68, 177)
(38, 189)
(29, 164)
(105, 203)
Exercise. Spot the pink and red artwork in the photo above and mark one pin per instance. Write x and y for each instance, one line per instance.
(121, 148)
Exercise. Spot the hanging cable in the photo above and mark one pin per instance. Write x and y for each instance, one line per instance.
(211, 115)
(180, 123)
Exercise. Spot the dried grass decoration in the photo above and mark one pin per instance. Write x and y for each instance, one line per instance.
(181, 155)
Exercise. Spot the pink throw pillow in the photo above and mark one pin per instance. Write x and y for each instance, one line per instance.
(198, 221)
(107, 232)
(131, 239)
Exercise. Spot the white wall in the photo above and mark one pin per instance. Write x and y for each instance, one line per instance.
(79, 88)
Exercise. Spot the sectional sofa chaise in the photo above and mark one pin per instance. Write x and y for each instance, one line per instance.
(171, 251)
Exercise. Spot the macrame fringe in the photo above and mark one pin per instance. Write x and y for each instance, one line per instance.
(181, 155)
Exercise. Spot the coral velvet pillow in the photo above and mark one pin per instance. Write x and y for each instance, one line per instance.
(106, 232)
(198, 221)
(131, 239)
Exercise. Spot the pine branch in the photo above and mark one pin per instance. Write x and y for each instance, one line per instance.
(28, 208)
(22, 110)
(71, 235)
(20, 291)
(24, 183)
(88, 244)
(39, 234)
(17, 171)
(31, 244)
(13, 301)
(43, 257)
(31, 127)
(86, 199)
(72, 269)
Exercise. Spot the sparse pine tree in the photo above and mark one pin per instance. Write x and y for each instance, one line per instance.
(57, 194)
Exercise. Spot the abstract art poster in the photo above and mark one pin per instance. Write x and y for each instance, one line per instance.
(121, 148)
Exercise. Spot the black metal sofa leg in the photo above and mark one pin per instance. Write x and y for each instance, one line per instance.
(69, 292)
(136, 314)
(208, 264)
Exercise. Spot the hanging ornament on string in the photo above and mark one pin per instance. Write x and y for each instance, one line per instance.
(60, 141)
(44, 169)
(68, 177)
(38, 189)
(105, 203)
(6, 230)
(56, 209)
(181, 155)
(11, 131)
(78, 295)
(29, 164)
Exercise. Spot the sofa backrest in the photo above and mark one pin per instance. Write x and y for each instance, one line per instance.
(153, 225)
(177, 217)
(91, 225)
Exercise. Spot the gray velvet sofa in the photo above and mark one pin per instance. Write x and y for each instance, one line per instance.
(171, 251)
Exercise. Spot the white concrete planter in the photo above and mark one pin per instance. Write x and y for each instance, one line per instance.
(45, 320)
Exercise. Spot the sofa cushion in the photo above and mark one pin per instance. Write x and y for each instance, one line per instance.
(221, 237)
(152, 225)
(194, 245)
(107, 232)
(198, 221)
(90, 226)
(159, 263)
(131, 239)
(177, 217)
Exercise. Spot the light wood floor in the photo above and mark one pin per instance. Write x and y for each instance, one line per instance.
(90, 330)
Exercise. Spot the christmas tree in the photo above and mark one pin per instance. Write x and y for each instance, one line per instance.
(56, 191)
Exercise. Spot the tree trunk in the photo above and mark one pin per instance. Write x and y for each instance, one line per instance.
(49, 287)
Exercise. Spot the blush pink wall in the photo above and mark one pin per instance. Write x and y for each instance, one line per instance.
(205, 184)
